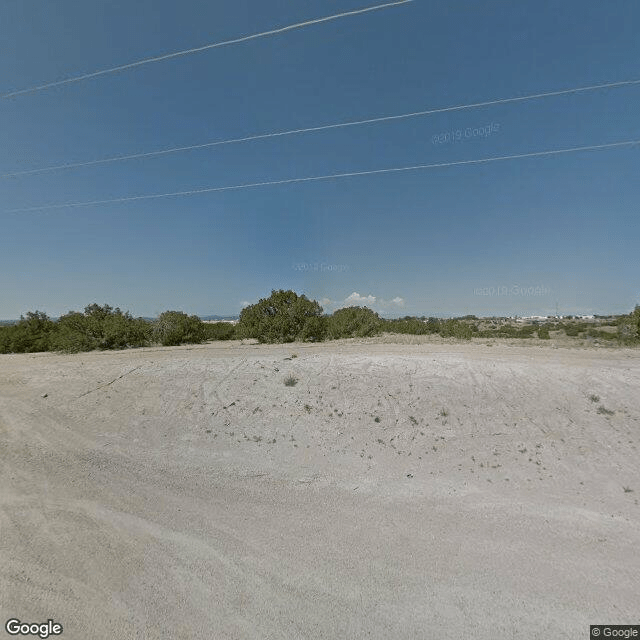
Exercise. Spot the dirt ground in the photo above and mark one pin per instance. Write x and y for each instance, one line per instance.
(484, 490)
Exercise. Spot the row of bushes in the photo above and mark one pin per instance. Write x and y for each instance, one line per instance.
(283, 317)
(99, 327)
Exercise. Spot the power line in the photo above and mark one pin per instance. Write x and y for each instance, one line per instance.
(214, 45)
(324, 177)
(352, 123)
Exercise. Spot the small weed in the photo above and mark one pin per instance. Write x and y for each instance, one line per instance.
(290, 381)
(604, 411)
(628, 489)
(294, 355)
(376, 419)
(444, 413)
(307, 408)
(413, 420)
(594, 398)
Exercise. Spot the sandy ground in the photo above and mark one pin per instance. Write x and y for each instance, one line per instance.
(433, 490)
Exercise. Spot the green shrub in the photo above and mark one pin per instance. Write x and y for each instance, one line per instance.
(627, 332)
(291, 381)
(30, 334)
(6, 332)
(100, 327)
(75, 333)
(433, 325)
(526, 331)
(219, 330)
(509, 331)
(456, 329)
(279, 318)
(602, 335)
(406, 325)
(543, 333)
(574, 329)
(314, 329)
(354, 322)
(628, 327)
(176, 327)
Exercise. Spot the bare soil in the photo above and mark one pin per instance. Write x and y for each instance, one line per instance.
(404, 487)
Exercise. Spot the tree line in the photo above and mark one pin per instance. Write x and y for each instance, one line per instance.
(283, 317)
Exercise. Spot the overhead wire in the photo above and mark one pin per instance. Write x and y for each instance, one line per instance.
(214, 45)
(334, 176)
(337, 125)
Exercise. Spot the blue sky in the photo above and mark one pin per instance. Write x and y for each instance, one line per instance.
(446, 241)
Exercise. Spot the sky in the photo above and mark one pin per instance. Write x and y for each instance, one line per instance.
(526, 236)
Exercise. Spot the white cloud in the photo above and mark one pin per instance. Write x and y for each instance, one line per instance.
(371, 301)
(355, 299)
